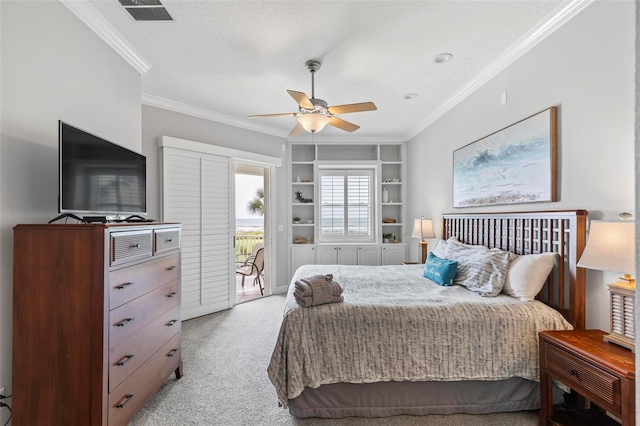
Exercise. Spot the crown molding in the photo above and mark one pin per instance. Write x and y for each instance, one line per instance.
(561, 15)
(168, 104)
(90, 16)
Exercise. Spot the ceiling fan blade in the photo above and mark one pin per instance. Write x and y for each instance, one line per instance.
(296, 130)
(301, 99)
(284, 114)
(341, 124)
(345, 109)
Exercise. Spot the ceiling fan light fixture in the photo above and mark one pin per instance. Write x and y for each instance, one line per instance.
(313, 122)
(314, 113)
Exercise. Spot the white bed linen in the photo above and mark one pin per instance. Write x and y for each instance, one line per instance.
(396, 325)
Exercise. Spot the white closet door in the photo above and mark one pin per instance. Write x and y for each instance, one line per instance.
(195, 191)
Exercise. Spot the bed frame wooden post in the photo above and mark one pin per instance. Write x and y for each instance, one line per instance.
(562, 232)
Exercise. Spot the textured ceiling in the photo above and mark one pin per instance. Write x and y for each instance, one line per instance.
(238, 58)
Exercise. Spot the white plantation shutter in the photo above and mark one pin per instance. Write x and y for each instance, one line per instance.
(332, 204)
(346, 205)
(195, 193)
(359, 191)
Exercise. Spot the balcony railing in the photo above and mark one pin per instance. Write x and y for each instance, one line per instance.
(246, 243)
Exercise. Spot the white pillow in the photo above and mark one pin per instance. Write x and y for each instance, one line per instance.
(527, 274)
(441, 249)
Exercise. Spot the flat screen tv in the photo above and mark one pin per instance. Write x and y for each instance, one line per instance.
(98, 177)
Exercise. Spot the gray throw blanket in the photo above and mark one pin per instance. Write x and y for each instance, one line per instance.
(317, 290)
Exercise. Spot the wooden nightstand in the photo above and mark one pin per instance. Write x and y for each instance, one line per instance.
(601, 372)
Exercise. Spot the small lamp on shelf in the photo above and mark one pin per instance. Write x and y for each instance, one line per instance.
(423, 228)
(611, 247)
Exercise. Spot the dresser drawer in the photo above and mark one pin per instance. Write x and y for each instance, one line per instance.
(129, 246)
(128, 398)
(133, 351)
(600, 386)
(127, 319)
(128, 283)
(166, 240)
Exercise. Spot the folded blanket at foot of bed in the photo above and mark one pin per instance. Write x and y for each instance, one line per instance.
(317, 290)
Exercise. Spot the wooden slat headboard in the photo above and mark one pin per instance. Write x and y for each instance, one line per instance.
(563, 232)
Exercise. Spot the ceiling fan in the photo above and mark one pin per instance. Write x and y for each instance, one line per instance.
(313, 114)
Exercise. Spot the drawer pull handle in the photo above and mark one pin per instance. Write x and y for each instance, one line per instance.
(171, 268)
(172, 353)
(123, 286)
(124, 401)
(136, 245)
(124, 360)
(573, 373)
(124, 322)
(173, 293)
(170, 324)
(169, 240)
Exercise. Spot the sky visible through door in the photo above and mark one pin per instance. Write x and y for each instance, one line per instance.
(246, 188)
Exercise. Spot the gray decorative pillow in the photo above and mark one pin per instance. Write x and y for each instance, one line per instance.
(480, 269)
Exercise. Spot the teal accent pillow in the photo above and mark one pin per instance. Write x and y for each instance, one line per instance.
(442, 271)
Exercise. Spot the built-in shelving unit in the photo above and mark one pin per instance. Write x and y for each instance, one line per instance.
(389, 160)
(392, 181)
(303, 184)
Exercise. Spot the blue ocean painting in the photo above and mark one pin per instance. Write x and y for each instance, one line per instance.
(507, 167)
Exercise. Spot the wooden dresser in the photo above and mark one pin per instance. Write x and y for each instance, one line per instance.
(96, 320)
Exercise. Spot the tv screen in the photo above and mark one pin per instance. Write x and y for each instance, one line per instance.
(98, 176)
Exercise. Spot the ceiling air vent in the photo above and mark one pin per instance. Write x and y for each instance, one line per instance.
(146, 10)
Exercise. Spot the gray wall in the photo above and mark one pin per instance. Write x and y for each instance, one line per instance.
(586, 68)
(158, 122)
(53, 68)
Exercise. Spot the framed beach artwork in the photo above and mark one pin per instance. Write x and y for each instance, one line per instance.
(514, 165)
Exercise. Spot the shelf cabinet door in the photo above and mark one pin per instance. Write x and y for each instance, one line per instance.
(302, 255)
(327, 255)
(347, 255)
(369, 255)
(393, 255)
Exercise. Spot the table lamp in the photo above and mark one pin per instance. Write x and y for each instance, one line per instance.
(611, 247)
(423, 228)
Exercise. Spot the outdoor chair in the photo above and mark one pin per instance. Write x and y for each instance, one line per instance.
(253, 265)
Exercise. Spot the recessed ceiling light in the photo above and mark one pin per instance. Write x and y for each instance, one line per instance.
(442, 58)
(411, 96)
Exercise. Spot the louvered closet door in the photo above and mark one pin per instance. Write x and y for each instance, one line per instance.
(196, 194)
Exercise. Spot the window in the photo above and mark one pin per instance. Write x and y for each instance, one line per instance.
(346, 204)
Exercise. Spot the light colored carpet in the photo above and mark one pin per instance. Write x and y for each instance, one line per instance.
(225, 381)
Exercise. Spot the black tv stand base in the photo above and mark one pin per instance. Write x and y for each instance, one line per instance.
(67, 216)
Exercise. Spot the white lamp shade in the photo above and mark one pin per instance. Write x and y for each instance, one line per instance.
(610, 247)
(423, 228)
(313, 122)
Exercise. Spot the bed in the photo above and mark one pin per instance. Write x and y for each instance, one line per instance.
(402, 344)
